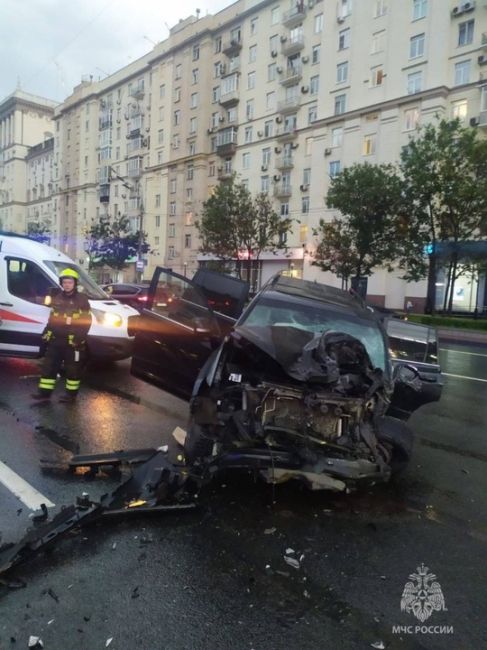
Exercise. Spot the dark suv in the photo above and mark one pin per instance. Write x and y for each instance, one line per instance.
(302, 385)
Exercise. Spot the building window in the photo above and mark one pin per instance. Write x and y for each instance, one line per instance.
(187, 240)
(249, 109)
(274, 43)
(215, 95)
(172, 185)
(377, 76)
(420, 8)
(462, 73)
(218, 45)
(158, 221)
(411, 119)
(315, 54)
(194, 100)
(172, 230)
(340, 104)
(177, 117)
(284, 209)
(312, 114)
(195, 75)
(314, 85)
(465, 33)
(211, 169)
(188, 221)
(270, 101)
(253, 25)
(217, 69)
(189, 172)
(415, 80)
(248, 134)
(268, 128)
(264, 184)
(178, 71)
(160, 136)
(252, 53)
(158, 200)
(156, 241)
(377, 42)
(189, 194)
(305, 204)
(380, 8)
(172, 208)
(266, 157)
(271, 72)
(196, 52)
(337, 137)
(307, 176)
(171, 253)
(318, 23)
(416, 46)
(334, 168)
(246, 160)
(459, 110)
(193, 125)
(344, 39)
(250, 80)
(345, 8)
(275, 15)
(368, 148)
(342, 72)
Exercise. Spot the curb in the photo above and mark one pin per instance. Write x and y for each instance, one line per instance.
(462, 336)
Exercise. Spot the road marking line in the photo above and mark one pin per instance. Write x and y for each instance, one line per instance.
(474, 354)
(449, 374)
(22, 490)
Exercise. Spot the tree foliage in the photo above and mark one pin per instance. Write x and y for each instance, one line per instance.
(365, 236)
(110, 242)
(236, 226)
(444, 170)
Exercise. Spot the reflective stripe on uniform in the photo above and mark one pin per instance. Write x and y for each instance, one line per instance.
(72, 384)
(47, 384)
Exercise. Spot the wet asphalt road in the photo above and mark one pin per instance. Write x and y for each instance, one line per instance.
(216, 578)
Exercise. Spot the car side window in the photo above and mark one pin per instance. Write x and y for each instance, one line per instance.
(26, 280)
(178, 300)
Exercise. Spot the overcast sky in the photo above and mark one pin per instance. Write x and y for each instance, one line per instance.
(47, 45)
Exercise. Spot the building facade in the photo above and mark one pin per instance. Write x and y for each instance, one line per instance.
(285, 95)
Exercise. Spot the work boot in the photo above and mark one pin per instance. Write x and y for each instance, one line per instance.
(68, 398)
(41, 396)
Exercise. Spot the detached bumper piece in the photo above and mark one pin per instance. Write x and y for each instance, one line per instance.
(155, 486)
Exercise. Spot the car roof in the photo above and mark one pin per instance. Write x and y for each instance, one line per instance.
(321, 292)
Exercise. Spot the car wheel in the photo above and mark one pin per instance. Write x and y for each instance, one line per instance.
(399, 437)
(197, 444)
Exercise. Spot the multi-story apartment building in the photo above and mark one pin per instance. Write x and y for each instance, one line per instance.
(41, 202)
(285, 94)
(25, 121)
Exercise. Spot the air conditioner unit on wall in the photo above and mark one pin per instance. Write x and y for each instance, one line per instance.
(474, 121)
(274, 54)
(279, 69)
(468, 6)
(328, 151)
(277, 149)
(304, 89)
(304, 187)
(260, 133)
(482, 59)
(277, 177)
(263, 168)
(340, 19)
(283, 39)
(456, 11)
(305, 59)
(278, 119)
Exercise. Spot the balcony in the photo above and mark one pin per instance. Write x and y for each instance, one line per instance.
(135, 145)
(105, 122)
(137, 92)
(104, 193)
(289, 105)
(229, 68)
(224, 174)
(282, 190)
(133, 208)
(134, 126)
(286, 133)
(232, 47)
(292, 45)
(229, 99)
(285, 162)
(291, 75)
(134, 167)
(294, 16)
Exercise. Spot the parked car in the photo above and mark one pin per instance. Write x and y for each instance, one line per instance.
(301, 385)
(135, 295)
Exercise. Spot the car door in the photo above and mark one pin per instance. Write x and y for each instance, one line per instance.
(23, 315)
(175, 333)
(415, 346)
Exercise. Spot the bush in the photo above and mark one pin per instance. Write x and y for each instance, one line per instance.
(449, 321)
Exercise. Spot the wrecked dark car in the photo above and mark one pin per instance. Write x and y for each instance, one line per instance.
(300, 386)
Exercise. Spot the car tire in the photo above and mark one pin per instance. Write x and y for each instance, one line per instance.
(197, 444)
(399, 437)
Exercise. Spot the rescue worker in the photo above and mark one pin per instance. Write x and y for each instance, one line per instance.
(65, 337)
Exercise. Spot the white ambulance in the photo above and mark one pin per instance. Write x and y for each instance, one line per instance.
(28, 270)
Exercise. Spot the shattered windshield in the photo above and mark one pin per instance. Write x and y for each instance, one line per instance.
(85, 283)
(316, 318)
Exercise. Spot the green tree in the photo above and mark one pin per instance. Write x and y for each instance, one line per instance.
(444, 169)
(365, 236)
(235, 226)
(110, 242)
